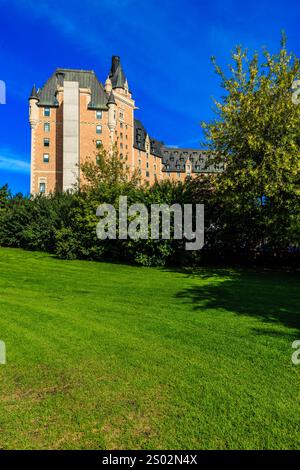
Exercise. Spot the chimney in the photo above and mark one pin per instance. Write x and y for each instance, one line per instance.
(115, 62)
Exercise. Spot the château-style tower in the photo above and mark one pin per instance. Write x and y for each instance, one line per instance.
(73, 114)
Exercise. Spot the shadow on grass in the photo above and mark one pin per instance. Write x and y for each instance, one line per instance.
(273, 297)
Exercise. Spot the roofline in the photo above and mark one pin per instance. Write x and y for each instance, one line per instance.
(61, 69)
(182, 149)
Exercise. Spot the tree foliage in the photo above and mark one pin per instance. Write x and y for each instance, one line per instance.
(255, 136)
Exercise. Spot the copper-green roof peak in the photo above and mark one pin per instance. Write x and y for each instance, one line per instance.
(111, 99)
(34, 93)
(116, 74)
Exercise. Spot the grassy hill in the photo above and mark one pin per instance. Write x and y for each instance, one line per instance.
(116, 357)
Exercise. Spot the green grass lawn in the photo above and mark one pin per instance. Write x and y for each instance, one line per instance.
(119, 357)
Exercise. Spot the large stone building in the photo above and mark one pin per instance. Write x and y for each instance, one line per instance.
(73, 114)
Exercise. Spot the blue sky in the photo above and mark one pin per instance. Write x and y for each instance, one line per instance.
(165, 48)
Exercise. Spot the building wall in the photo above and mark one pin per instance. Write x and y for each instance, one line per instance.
(123, 134)
(88, 126)
(48, 172)
(149, 166)
(71, 135)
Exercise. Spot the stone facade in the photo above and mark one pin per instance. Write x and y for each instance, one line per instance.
(73, 113)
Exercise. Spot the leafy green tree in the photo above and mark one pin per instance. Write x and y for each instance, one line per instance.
(5, 194)
(255, 137)
(108, 171)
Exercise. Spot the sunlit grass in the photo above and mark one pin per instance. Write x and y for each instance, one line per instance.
(120, 357)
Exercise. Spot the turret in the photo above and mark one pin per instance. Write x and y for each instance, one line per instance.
(111, 114)
(33, 107)
(108, 85)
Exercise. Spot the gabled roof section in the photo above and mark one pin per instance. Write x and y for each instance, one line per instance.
(117, 75)
(140, 135)
(175, 159)
(85, 78)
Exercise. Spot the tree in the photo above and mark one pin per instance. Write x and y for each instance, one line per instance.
(109, 171)
(255, 136)
(4, 195)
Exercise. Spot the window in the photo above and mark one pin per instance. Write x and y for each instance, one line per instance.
(147, 174)
(178, 174)
(98, 144)
(140, 162)
(47, 112)
(47, 127)
(147, 165)
(46, 158)
(46, 142)
(99, 129)
(121, 135)
(121, 114)
(121, 125)
(42, 188)
(121, 156)
(121, 145)
(98, 114)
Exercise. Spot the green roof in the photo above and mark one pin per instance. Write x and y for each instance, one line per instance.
(85, 79)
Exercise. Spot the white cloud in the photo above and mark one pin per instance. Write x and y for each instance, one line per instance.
(9, 161)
